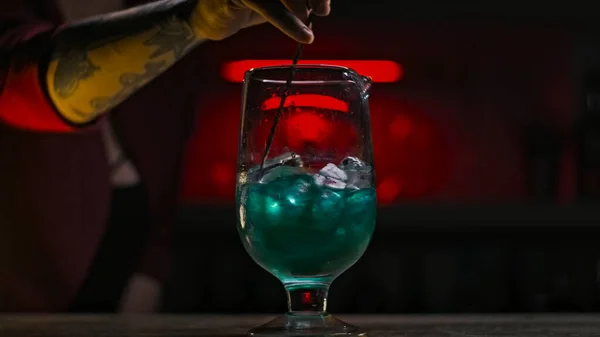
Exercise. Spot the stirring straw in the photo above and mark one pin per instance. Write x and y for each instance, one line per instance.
(283, 98)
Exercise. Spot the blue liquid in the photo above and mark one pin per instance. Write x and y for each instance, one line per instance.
(304, 233)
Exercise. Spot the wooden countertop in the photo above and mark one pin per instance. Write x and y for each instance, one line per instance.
(229, 325)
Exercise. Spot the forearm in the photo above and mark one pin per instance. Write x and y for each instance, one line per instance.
(96, 64)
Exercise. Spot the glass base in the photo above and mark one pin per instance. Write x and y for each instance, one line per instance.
(306, 325)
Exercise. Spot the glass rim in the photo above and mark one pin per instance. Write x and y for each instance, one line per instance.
(250, 73)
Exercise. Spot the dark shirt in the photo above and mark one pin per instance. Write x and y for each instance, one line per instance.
(118, 254)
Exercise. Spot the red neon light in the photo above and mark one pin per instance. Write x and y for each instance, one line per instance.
(380, 71)
(307, 100)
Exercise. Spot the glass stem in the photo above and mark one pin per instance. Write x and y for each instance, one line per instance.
(307, 299)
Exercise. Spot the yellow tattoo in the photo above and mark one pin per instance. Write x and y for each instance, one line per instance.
(88, 82)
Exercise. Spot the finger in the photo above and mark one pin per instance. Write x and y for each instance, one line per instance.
(298, 7)
(279, 16)
(320, 7)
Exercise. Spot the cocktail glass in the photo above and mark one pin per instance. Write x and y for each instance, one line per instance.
(309, 213)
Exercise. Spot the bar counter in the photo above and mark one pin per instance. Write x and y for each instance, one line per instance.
(238, 325)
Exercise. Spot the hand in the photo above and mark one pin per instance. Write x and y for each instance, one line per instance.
(219, 19)
(142, 295)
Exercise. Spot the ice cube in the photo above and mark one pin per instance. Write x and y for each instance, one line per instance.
(287, 159)
(283, 202)
(321, 180)
(360, 208)
(327, 209)
(359, 179)
(352, 163)
(261, 208)
(331, 176)
(358, 172)
(294, 194)
(334, 172)
(280, 172)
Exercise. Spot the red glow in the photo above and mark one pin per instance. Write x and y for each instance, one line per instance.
(222, 174)
(388, 190)
(307, 127)
(411, 152)
(307, 298)
(401, 127)
(308, 130)
(24, 105)
(380, 71)
(413, 156)
(307, 100)
(209, 174)
(305, 124)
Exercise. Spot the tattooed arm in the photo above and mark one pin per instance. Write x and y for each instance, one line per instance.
(89, 67)
(99, 62)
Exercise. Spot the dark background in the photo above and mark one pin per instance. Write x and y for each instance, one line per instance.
(488, 198)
